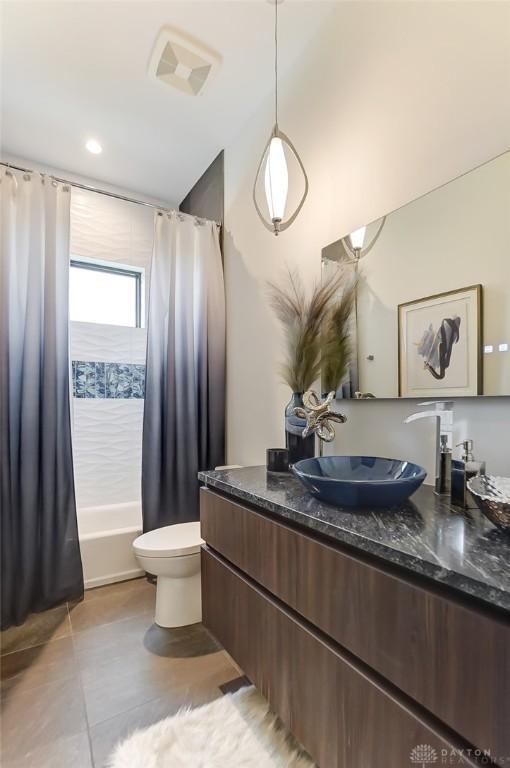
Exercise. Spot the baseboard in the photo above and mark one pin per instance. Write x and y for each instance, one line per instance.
(101, 581)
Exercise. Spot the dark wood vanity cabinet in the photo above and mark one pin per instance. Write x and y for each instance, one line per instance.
(360, 662)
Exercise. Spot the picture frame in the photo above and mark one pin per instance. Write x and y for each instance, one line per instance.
(440, 344)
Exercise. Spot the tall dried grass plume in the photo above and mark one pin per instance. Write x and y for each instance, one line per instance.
(311, 324)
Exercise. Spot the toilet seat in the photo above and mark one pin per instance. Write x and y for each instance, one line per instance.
(170, 541)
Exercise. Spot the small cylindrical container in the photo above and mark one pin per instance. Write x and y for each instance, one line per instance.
(277, 460)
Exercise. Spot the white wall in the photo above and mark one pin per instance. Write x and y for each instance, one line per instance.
(393, 100)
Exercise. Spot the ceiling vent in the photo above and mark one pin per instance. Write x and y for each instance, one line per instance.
(180, 61)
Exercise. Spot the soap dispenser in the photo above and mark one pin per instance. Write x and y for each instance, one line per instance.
(463, 470)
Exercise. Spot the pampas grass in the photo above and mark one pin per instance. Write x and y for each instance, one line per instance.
(304, 320)
(336, 353)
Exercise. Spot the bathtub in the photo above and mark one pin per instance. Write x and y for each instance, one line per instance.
(106, 534)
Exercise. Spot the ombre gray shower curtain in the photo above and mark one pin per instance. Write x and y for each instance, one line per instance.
(184, 415)
(41, 563)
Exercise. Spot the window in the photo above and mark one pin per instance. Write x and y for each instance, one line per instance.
(105, 293)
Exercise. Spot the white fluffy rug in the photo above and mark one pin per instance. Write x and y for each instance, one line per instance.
(235, 731)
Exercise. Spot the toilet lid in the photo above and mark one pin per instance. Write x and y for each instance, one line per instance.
(170, 541)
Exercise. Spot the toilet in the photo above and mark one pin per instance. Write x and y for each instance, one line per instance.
(172, 554)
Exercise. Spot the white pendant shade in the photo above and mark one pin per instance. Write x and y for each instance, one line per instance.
(276, 179)
(357, 238)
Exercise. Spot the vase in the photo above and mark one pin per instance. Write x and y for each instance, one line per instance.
(299, 447)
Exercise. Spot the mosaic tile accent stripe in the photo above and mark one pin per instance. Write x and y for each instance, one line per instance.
(125, 380)
(88, 379)
(108, 380)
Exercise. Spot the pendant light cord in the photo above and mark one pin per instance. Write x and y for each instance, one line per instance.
(276, 61)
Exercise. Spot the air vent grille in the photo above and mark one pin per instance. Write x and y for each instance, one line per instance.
(184, 63)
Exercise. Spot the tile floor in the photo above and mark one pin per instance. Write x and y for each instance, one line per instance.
(78, 678)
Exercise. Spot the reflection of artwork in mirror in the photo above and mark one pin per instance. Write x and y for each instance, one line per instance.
(440, 344)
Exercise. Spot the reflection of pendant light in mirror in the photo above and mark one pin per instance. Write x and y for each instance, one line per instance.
(354, 242)
(274, 162)
(357, 238)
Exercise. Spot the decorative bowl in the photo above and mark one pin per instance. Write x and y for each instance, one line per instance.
(492, 494)
(360, 481)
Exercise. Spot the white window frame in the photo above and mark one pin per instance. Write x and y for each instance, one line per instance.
(114, 268)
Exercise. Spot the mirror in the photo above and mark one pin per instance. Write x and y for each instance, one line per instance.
(432, 310)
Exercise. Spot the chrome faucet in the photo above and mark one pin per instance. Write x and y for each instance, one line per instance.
(443, 413)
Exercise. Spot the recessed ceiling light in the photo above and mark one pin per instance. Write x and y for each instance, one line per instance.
(94, 146)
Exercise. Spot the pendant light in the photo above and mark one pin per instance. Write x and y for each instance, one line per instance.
(273, 163)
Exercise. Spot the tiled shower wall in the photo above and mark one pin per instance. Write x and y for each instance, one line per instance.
(108, 399)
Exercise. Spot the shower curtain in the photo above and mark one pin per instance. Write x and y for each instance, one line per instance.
(41, 563)
(184, 416)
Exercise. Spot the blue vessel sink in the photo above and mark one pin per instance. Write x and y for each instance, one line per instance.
(360, 481)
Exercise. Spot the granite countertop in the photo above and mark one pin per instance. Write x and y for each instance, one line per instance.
(461, 550)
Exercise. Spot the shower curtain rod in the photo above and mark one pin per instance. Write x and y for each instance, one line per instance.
(88, 188)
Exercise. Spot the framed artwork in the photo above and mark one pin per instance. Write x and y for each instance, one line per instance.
(440, 345)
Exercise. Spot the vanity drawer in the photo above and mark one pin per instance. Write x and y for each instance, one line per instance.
(341, 716)
(449, 657)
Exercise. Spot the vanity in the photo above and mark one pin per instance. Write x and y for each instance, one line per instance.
(380, 637)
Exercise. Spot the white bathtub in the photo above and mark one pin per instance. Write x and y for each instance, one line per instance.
(106, 534)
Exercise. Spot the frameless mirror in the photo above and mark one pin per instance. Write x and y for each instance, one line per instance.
(432, 310)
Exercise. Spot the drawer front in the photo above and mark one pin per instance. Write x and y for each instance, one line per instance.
(450, 658)
(341, 717)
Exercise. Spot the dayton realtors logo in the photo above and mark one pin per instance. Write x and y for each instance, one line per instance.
(423, 755)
